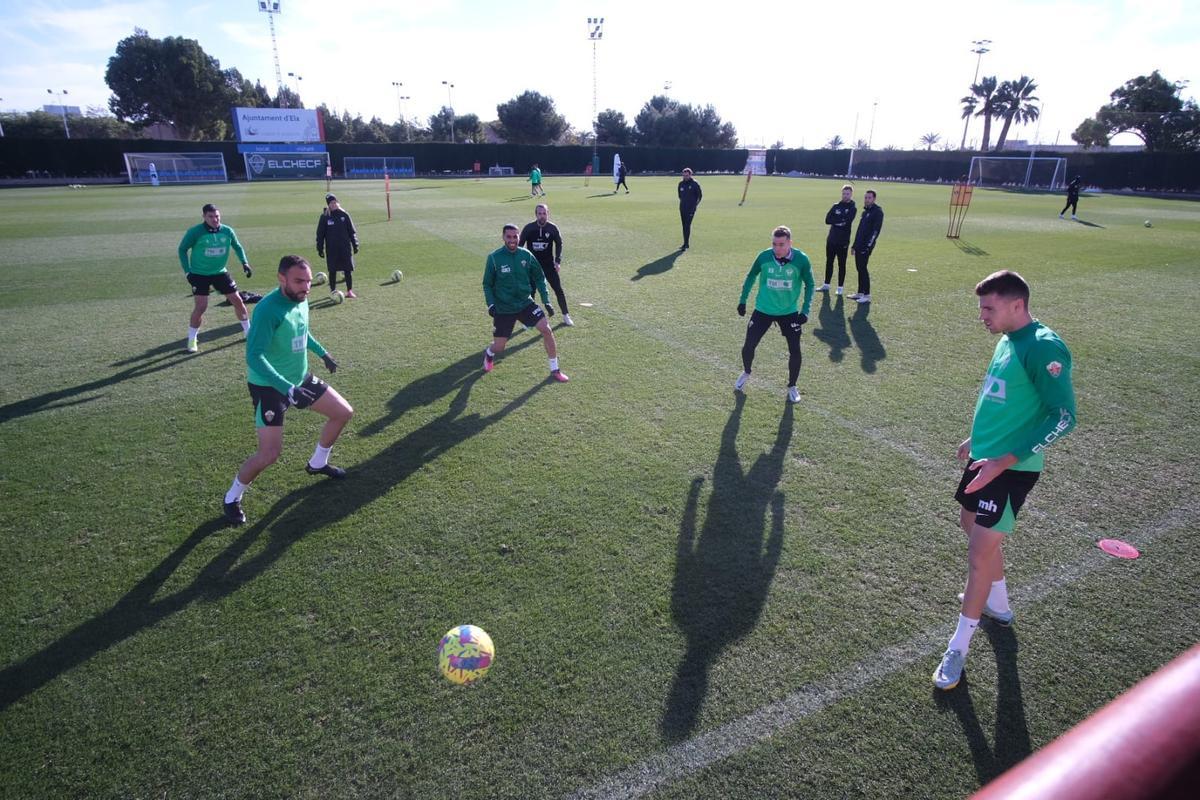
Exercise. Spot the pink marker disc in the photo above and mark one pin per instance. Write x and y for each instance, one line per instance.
(1115, 547)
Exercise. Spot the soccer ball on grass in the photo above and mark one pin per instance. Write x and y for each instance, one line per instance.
(320, 278)
(465, 654)
(1148, 225)
(337, 296)
(397, 275)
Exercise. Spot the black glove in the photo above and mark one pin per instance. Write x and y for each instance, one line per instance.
(301, 396)
(330, 364)
(355, 249)
(246, 269)
(741, 309)
(804, 319)
(549, 310)
(320, 253)
(492, 310)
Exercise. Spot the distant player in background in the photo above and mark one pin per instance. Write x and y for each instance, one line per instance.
(689, 200)
(1026, 404)
(621, 173)
(278, 378)
(542, 238)
(869, 227)
(1072, 198)
(337, 243)
(209, 243)
(507, 275)
(535, 182)
(840, 220)
(782, 272)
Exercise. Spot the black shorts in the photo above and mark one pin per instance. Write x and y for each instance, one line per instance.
(202, 285)
(789, 324)
(530, 315)
(270, 405)
(996, 505)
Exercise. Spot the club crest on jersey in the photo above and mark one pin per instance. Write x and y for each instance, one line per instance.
(268, 415)
(1054, 368)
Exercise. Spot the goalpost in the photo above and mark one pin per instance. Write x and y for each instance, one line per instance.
(1017, 171)
(152, 169)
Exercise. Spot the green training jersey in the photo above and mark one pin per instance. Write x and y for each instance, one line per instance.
(210, 249)
(1027, 402)
(779, 283)
(278, 341)
(535, 176)
(507, 278)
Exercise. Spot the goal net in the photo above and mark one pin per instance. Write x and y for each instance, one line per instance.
(377, 167)
(498, 171)
(151, 169)
(1025, 173)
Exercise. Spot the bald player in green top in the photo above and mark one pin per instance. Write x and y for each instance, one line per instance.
(1027, 403)
(209, 244)
(278, 378)
(782, 272)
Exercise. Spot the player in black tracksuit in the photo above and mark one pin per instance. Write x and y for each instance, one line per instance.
(869, 226)
(337, 242)
(689, 198)
(1072, 198)
(541, 237)
(840, 220)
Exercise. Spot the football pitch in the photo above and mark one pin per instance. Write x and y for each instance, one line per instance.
(692, 593)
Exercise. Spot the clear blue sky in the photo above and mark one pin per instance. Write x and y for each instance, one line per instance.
(776, 70)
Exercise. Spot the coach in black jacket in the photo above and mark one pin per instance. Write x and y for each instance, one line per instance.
(869, 226)
(840, 220)
(689, 198)
(337, 242)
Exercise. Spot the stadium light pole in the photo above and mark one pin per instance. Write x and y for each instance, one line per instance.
(450, 101)
(62, 107)
(980, 47)
(595, 34)
(871, 130)
(399, 107)
(298, 78)
(271, 8)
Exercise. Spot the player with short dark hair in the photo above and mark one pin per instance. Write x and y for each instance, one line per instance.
(535, 182)
(622, 171)
(840, 219)
(689, 200)
(278, 378)
(869, 227)
(542, 238)
(337, 243)
(209, 243)
(507, 275)
(1072, 198)
(1027, 404)
(781, 271)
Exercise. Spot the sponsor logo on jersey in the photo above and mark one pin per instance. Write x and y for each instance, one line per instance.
(506, 268)
(778, 283)
(213, 252)
(1054, 368)
(299, 342)
(995, 388)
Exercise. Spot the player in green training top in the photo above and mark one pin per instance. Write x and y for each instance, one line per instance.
(1027, 404)
(780, 272)
(277, 374)
(210, 243)
(507, 275)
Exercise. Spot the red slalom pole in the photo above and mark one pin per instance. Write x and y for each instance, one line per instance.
(387, 191)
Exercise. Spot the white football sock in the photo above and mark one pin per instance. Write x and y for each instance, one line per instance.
(553, 364)
(320, 457)
(961, 640)
(998, 597)
(193, 333)
(235, 491)
(245, 325)
(489, 352)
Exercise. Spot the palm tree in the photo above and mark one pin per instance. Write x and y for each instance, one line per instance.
(835, 143)
(970, 102)
(984, 94)
(930, 139)
(1015, 101)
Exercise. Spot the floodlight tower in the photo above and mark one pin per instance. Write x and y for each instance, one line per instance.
(981, 47)
(595, 34)
(271, 8)
(450, 100)
(62, 108)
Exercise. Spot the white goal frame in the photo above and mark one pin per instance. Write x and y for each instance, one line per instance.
(978, 172)
(152, 169)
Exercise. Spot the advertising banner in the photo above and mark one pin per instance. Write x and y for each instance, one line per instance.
(278, 125)
(284, 166)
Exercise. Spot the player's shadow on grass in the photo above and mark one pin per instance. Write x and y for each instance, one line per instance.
(865, 338)
(176, 347)
(658, 266)
(832, 332)
(970, 249)
(1088, 224)
(152, 361)
(1012, 730)
(518, 199)
(602, 194)
(298, 514)
(723, 572)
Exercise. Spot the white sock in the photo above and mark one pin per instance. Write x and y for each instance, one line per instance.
(489, 352)
(320, 457)
(245, 325)
(554, 365)
(961, 640)
(193, 333)
(998, 597)
(235, 491)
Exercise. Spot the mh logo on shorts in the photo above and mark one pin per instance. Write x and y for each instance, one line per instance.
(988, 506)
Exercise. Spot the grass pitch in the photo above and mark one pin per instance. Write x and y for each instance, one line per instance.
(657, 560)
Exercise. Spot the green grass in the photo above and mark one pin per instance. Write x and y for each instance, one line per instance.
(653, 558)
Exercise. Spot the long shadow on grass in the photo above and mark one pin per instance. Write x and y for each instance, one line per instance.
(658, 266)
(722, 576)
(300, 513)
(970, 249)
(832, 332)
(865, 337)
(152, 361)
(1012, 730)
(1087, 224)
